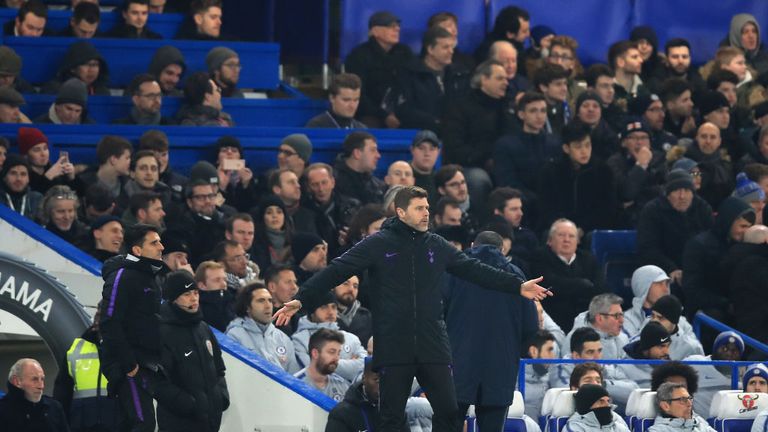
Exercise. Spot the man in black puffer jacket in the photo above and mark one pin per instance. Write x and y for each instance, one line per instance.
(406, 265)
(194, 393)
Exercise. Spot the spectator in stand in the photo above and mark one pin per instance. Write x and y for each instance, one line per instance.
(425, 149)
(224, 67)
(472, 124)
(752, 193)
(238, 185)
(352, 316)
(450, 182)
(235, 260)
(157, 142)
(344, 99)
(81, 61)
(135, 15)
(106, 238)
(29, 22)
(586, 373)
(714, 108)
(147, 98)
(253, 328)
(450, 22)
(378, 62)
(667, 311)
(310, 255)
(600, 79)
(649, 283)
(176, 251)
(84, 23)
(425, 85)
(145, 177)
(552, 81)
(145, 207)
(206, 21)
(113, 155)
(725, 82)
(540, 346)
(728, 346)
(281, 283)
(167, 66)
(512, 24)
(202, 103)
(744, 33)
(4, 146)
(58, 214)
(203, 218)
(506, 54)
(667, 222)
(293, 153)
(594, 411)
(678, 373)
(675, 94)
(755, 379)
(355, 166)
(285, 185)
(25, 407)
(650, 110)
(70, 106)
(675, 411)
(648, 45)
(447, 213)
(606, 317)
(589, 110)
(678, 65)
(562, 51)
(359, 409)
(216, 301)
(240, 228)
(627, 64)
(717, 177)
(16, 193)
(506, 204)
(10, 71)
(324, 317)
(639, 170)
(272, 238)
(573, 272)
(576, 185)
(399, 173)
(156, 6)
(10, 101)
(324, 352)
(97, 200)
(367, 221)
(652, 344)
(34, 146)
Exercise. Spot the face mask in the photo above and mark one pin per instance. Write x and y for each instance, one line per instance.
(540, 369)
(604, 415)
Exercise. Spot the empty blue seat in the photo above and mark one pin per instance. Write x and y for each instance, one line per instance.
(616, 252)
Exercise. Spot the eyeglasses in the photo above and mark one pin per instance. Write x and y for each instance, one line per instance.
(203, 197)
(682, 399)
(286, 153)
(233, 65)
(617, 315)
(695, 173)
(243, 257)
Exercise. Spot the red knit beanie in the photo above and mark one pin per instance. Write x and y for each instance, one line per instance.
(30, 137)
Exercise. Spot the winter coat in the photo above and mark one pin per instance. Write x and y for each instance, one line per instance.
(329, 219)
(588, 423)
(31, 204)
(536, 386)
(637, 186)
(639, 373)
(265, 340)
(573, 285)
(163, 57)
(127, 31)
(482, 378)
(331, 120)
(19, 414)
(378, 70)
(760, 424)
(207, 233)
(218, 308)
(666, 424)
(747, 288)
(406, 268)
(364, 187)
(203, 115)
(353, 353)
(80, 53)
(471, 125)
(129, 319)
(355, 413)
(519, 157)
(663, 231)
(194, 392)
(361, 324)
(717, 176)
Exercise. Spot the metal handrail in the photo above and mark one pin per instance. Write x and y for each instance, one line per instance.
(702, 318)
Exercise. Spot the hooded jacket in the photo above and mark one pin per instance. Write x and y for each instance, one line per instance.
(636, 317)
(406, 269)
(355, 413)
(203, 115)
(711, 381)
(265, 340)
(588, 423)
(164, 56)
(129, 319)
(757, 58)
(79, 53)
(702, 282)
(364, 187)
(30, 200)
(481, 378)
(127, 31)
(518, 159)
(353, 353)
(19, 414)
(194, 393)
(666, 424)
(536, 385)
(748, 266)
(639, 373)
(615, 380)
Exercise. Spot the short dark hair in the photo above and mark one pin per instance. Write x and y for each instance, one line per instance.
(444, 203)
(446, 173)
(575, 131)
(405, 195)
(672, 88)
(36, 7)
(619, 49)
(342, 81)
(196, 87)
(220, 250)
(201, 6)
(675, 368)
(529, 97)
(355, 141)
(539, 339)
(230, 222)
(498, 197)
(596, 71)
(274, 178)
(676, 43)
(134, 236)
(271, 274)
(581, 335)
(441, 17)
(718, 76)
(491, 238)
(484, 69)
(142, 154)
(548, 73)
(127, 3)
(153, 139)
(581, 369)
(756, 171)
(86, 11)
(244, 297)
(364, 216)
(111, 145)
(135, 84)
(321, 337)
(430, 37)
(501, 228)
(508, 20)
(141, 201)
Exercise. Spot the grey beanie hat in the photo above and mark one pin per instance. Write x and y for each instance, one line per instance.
(10, 62)
(301, 144)
(73, 91)
(217, 56)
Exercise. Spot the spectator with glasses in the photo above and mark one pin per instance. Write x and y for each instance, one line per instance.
(675, 406)
(224, 66)
(562, 51)
(606, 318)
(147, 99)
(202, 216)
(233, 257)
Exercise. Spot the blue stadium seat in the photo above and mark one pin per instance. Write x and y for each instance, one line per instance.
(128, 57)
(736, 411)
(245, 112)
(645, 413)
(616, 252)
(166, 25)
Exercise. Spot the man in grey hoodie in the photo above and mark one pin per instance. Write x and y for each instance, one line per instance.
(254, 330)
(649, 283)
(675, 406)
(653, 344)
(353, 353)
(594, 412)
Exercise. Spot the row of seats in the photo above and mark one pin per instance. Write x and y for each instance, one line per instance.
(127, 58)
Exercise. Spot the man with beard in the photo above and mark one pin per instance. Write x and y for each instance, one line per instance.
(25, 407)
(147, 98)
(324, 350)
(678, 65)
(352, 316)
(540, 346)
(15, 185)
(627, 63)
(224, 66)
(653, 344)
